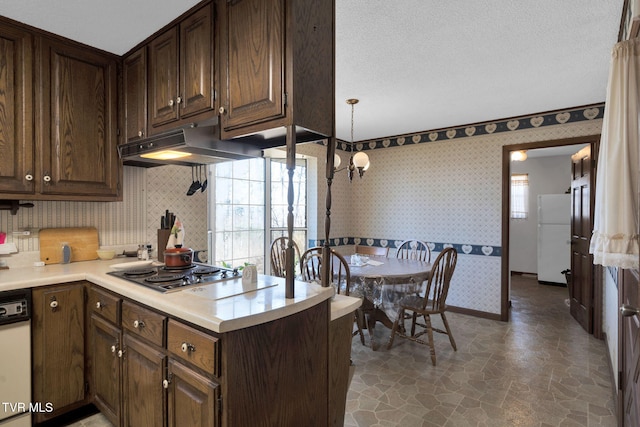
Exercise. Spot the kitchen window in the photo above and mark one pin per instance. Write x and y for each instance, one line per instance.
(241, 220)
(520, 196)
(239, 216)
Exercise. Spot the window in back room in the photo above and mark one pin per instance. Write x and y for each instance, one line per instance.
(520, 196)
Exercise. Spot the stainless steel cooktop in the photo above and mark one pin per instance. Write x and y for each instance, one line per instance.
(170, 279)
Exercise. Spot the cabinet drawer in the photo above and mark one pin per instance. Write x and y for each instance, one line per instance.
(143, 323)
(105, 304)
(193, 346)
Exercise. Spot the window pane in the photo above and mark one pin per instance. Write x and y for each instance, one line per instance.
(240, 191)
(256, 217)
(224, 190)
(224, 218)
(519, 196)
(241, 170)
(240, 245)
(224, 169)
(240, 217)
(256, 192)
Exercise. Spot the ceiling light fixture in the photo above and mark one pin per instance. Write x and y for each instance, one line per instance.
(360, 160)
(519, 156)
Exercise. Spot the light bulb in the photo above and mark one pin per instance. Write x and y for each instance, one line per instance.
(336, 161)
(518, 156)
(360, 159)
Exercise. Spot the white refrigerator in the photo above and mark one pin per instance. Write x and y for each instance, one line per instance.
(554, 237)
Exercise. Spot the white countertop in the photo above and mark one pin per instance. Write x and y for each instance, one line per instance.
(223, 315)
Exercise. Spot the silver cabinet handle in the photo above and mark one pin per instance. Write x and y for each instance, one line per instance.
(628, 311)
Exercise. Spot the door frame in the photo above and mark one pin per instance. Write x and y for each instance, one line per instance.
(505, 301)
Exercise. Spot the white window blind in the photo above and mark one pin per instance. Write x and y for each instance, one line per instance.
(520, 196)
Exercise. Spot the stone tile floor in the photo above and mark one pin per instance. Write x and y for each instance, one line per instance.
(539, 369)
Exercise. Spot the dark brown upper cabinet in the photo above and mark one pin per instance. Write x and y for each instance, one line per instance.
(17, 146)
(76, 123)
(134, 77)
(277, 66)
(182, 73)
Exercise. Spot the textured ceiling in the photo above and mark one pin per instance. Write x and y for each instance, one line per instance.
(415, 65)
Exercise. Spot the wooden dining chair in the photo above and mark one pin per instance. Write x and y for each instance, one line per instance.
(414, 249)
(279, 256)
(372, 250)
(340, 276)
(433, 302)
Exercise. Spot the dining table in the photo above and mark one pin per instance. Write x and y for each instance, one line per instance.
(382, 282)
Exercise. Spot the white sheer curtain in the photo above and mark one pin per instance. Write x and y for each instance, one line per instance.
(615, 240)
(519, 196)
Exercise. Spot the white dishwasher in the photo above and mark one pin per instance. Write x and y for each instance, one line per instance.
(15, 358)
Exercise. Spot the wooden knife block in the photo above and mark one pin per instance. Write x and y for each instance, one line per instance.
(163, 238)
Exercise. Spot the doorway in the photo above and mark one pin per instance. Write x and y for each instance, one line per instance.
(506, 204)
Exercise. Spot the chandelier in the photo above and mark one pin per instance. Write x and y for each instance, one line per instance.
(359, 161)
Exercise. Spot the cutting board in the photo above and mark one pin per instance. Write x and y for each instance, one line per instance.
(83, 242)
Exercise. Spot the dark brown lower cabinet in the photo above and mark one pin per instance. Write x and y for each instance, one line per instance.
(143, 395)
(106, 340)
(58, 340)
(141, 368)
(193, 399)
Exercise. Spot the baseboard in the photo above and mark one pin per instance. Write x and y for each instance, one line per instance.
(544, 282)
(614, 378)
(475, 313)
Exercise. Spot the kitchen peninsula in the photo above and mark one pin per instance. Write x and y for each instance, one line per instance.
(254, 358)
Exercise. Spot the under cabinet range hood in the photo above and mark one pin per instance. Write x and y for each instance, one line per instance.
(193, 145)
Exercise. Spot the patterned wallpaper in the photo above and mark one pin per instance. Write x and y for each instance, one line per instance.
(121, 225)
(447, 190)
(167, 189)
(443, 187)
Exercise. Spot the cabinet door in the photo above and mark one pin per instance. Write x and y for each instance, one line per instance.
(58, 347)
(192, 398)
(16, 139)
(143, 394)
(135, 94)
(196, 63)
(106, 346)
(163, 78)
(77, 122)
(252, 69)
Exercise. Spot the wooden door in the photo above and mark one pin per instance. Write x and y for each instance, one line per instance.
(77, 122)
(192, 398)
(58, 330)
(135, 95)
(163, 78)
(581, 286)
(16, 121)
(253, 70)
(196, 63)
(630, 351)
(144, 397)
(106, 345)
